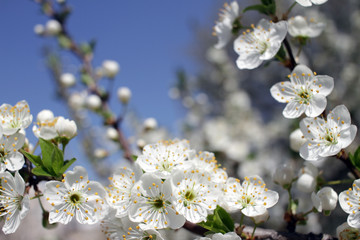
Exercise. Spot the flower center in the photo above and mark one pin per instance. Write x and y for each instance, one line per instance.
(190, 195)
(75, 198)
(330, 137)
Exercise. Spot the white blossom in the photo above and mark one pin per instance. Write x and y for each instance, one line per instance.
(116, 228)
(325, 199)
(299, 26)
(304, 93)
(65, 128)
(163, 157)
(110, 68)
(327, 137)
(252, 197)
(112, 133)
(14, 206)
(53, 27)
(124, 94)
(308, 3)
(45, 125)
(67, 79)
(39, 29)
(307, 178)
(223, 28)
(14, 118)
(119, 194)
(350, 202)
(76, 195)
(93, 102)
(220, 236)
(260, 44)
(261, 218)
(152, 204)
(284, 174)
(150, 123)
(10, 157)
(194, 194)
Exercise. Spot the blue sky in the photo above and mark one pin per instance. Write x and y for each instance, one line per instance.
(149, 39)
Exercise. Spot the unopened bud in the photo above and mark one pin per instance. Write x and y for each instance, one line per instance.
(44, 115)
(39, 29)
(306, 183)
(124, 94)
(100, 153)
(284, 175)
(325, 199)
(150, 123)
(93, 102)
(296, 140)
(140, 143)
(261, 218)
(65, 128)
(110, 68)
(67, 79)
(112, 134)
(53, 27)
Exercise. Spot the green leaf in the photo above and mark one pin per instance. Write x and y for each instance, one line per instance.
(47, 149)
(57, 160)
(67, 165)
(134, 157)
(219, 222)
(260, 8)
(355, 159)
(36, 160)
(225, 218)
(86, 78)
(41, 171)
(267, 2)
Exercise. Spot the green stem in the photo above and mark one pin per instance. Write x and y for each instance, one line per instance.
(37, 196)
(253, 232)
(299, 51)
(336, 182)
(290, 9)
(310, 211)
(241, 219)
(42, 207)
(290, 199)
(36, 145)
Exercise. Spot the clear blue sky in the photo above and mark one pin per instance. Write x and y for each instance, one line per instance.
(149, 39)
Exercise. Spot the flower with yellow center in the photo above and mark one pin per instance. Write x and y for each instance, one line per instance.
(14, 118)
(76, 196)
(251, 197)
(350, 202)
(305, 92)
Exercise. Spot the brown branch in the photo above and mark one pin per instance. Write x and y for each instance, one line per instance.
(292, 63)
(86, 60)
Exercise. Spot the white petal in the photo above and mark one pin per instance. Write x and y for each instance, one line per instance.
(354, 220)
(339, 117)
(293, 110)
(316, 107)
(310, 153)
(249, 61)
(319, 1)
(305, 3)
(15, 161)
(73, 177)
(324, 85)
(316, 202)
(347, 136)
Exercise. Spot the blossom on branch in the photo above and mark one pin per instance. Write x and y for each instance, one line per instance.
(261, 44)
(304, 93)
(327, 137)
(350, 203)
(299, 26)
(252, 197)
(308, 3)
(10, 157)
(14, 206)
(14, 118)
(224, 27)
(76, 195)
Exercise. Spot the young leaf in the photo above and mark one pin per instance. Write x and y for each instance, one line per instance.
(67, 165)
(41, 171)
(46, 151)
(57, 160)
(225, 218)
(36, 160)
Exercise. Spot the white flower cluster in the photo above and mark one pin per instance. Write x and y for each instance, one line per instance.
(173, 184)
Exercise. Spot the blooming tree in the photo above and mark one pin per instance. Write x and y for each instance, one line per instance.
(170, 184)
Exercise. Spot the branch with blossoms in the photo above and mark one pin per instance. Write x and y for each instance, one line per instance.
(170, 185)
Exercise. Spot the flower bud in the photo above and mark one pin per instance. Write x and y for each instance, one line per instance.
(261, 218)
(44, 115)
(67, 79)
(53, 27)
(309, 168)
(110, 68)
(76, 100)
(325, 199)
(150, 123)
(112, 134)
(124, 94)
(284, 175)
(66, 128)
(306, 183)
(140, 143)
(93, 102)
(296, 140)
(100, 153)
(39, 29)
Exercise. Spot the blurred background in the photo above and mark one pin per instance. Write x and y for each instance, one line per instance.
(167, 60)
